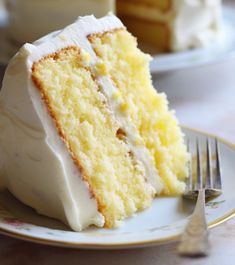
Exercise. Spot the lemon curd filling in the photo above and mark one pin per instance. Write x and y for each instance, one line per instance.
(148, 110)
(92, 134)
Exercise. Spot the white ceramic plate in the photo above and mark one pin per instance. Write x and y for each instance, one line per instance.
(161, 223)
(223, 50)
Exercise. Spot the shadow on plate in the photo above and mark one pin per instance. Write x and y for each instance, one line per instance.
(26, 214)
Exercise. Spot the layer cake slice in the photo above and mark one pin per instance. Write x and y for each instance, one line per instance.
(85, 137)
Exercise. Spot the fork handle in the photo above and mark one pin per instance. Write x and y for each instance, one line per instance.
(194, 240)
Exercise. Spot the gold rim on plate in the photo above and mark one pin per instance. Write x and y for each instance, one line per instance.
(144, 243)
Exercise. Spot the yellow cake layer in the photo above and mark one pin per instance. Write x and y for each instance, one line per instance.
(92, 135)
(156, 34)
(143, 106)
(162, 5)
(149, 20)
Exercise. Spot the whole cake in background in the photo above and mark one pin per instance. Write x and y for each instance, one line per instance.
(85, 137)
(172, 25)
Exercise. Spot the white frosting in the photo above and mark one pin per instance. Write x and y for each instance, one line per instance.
(37, 166)
(197, 23)
(32, 19)
(140, 152)
(193, 23)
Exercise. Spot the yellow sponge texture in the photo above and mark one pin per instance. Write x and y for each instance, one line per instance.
(90, 131)
(148, 110)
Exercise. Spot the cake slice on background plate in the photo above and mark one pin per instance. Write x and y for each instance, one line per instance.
(85, 137)
(173, 25)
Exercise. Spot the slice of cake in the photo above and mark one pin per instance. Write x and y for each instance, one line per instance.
(172, 25)
(85, 137)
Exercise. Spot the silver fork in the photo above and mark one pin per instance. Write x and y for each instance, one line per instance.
(204, 181)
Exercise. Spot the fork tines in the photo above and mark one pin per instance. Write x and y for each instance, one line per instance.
(204, 166)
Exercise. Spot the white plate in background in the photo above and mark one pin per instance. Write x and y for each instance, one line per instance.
(223, 50)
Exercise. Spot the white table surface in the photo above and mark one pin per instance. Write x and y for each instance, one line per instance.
(204, 98)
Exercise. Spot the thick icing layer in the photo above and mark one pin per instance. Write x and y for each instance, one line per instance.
(37, 166)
